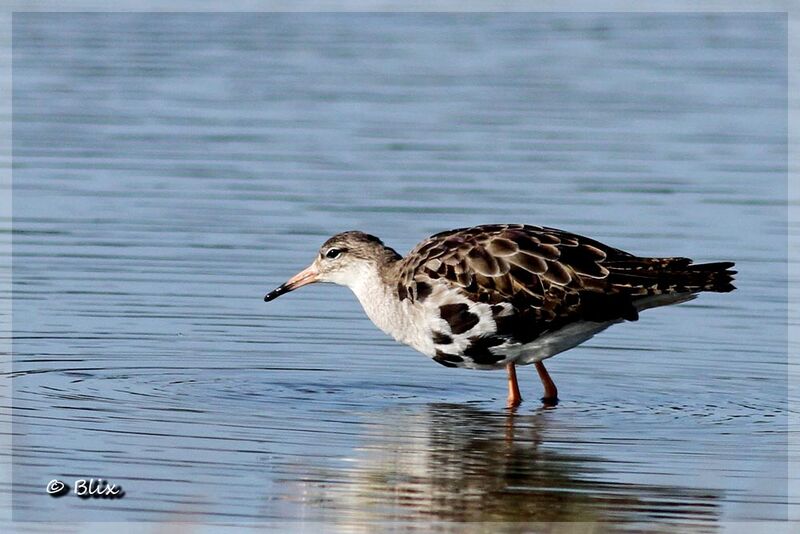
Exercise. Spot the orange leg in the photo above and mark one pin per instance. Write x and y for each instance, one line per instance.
(550, 392)
(514, 398)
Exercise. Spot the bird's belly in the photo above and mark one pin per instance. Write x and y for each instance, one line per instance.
(552, 343)
(471, 339)
(545, 346)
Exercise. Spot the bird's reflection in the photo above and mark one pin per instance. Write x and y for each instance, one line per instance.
(461, 463)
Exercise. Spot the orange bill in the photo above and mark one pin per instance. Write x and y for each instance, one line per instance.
(306, 276)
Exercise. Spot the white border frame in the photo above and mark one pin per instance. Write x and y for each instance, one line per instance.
(790, 8)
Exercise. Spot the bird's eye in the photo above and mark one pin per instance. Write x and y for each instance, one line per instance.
(333, 253)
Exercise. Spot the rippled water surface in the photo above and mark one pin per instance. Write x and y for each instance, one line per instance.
(170, 169)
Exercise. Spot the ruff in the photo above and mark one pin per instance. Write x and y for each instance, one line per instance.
(496, 296)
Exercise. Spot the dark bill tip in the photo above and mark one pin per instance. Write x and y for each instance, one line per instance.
(275, 293)
(306, 276)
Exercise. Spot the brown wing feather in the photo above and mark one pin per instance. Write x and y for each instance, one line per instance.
(551, 277)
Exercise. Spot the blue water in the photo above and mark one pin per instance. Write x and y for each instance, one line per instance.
(169, 169)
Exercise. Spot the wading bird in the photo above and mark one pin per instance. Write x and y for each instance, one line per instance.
(501, 295)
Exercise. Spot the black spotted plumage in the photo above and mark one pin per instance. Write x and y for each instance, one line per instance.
(448, 360)
(441, 339)
(458, 317)
(546, 279)
(479, 349)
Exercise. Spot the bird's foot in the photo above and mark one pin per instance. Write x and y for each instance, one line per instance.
(549, 402)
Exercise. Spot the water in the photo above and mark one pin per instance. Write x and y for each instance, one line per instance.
(170, 169)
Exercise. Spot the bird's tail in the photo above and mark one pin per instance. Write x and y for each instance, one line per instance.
(716, 277)
(659, 281)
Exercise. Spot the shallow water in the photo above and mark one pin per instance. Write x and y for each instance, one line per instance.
(171, 169)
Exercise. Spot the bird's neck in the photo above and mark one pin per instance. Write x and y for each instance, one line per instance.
(376, 290)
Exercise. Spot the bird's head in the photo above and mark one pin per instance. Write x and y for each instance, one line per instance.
(343, 259)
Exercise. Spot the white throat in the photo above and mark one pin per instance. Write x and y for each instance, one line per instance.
(384, 307)
(380, 303)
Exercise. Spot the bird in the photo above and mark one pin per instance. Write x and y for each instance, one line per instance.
(498, 296)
